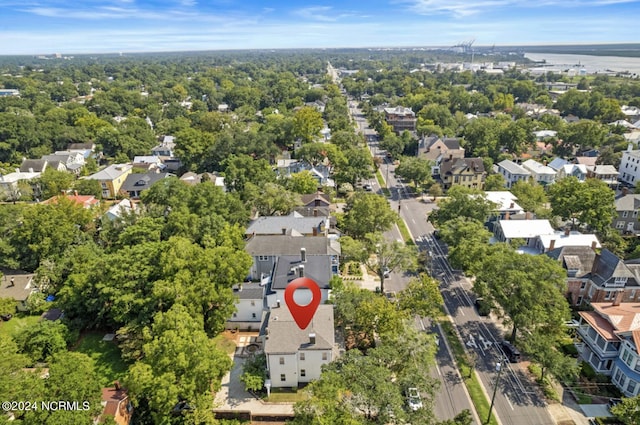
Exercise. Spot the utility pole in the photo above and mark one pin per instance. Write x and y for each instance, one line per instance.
(495, 390)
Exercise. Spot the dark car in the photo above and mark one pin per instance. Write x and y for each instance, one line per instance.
(483, 307)
(613, 402)
(6, 317)
(511, 352)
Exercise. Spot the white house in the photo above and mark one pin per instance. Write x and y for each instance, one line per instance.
(505, 201)
(512, 172)
(507, 230)
(249, 306)
(578, 171)
(540, 173)
(296, 356)
(9, 183)
(629, 166)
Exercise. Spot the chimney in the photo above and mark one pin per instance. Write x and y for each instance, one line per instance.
(277, 303)
(315, 231)
(618, 298)
(507, 216)
(629, 147)
(594, 244)
(512, 205)
(315, 212)
(552, 244)
(312, 338)
(117, 385)
(13, 283)
(303, 255)
(567, 231)
(75, 193)
(284, 230)
(625, 191)
(301, 271)
(450, 156)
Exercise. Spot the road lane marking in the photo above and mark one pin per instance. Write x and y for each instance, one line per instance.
(509, 401)
(413, 221)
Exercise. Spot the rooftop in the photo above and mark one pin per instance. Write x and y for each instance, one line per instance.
(287, 268)
(513, 168)
(525, 229)
(291, 245)
(284, 336)
(112, 172)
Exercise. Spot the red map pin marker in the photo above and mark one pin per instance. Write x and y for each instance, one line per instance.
(303, 314)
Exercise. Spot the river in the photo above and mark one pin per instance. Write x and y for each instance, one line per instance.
(591, 64)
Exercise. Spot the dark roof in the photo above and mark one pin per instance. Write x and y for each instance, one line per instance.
(316, 267)
(291, 245)
(249, 291)
(317, 199)
(448, 166)
(285, 337)
(90, 146)
(580, 258)
(137, 182)
(52, 314)
(607, 266)
(313, 211)
(37, 165)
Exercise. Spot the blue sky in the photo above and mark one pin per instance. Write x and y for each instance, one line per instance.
(101, 26)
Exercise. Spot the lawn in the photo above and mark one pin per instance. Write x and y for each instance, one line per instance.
(106, 354)
(279, 395)
(225, 342)
(16, 324)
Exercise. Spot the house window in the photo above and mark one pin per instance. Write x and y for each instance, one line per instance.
(253, 315)
(608, 295)
(579, 302)
(583, 284)
(235, 315)
(621, 280)
(633, 293)
(631, 386)
(324, 356)
(625, 214)
(618, 375)
(263, 258)
(303, 373)
(253, 303)
(620, 225)
(283, 377)
(301, 356)
(281, 360)
(635, 214)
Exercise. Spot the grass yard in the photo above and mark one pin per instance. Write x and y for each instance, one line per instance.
(16, 324)
(106, 355)
(279, 395)
(225, 342)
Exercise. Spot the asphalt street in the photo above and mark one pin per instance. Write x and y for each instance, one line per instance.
(518, 400)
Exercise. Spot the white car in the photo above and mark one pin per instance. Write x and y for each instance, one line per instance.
(413, 399)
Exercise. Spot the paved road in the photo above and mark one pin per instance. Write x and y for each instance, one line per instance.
(452, 397)
(518, 400)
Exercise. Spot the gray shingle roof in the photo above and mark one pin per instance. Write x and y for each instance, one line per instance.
(579, 258)
(291, 245)
(474, 164)
(607, 266)
(284, 336)
(316, 267)
(138, 182)
(249, 291)
(33, 165)
(274, 225)
(628, 203)
(513, 168)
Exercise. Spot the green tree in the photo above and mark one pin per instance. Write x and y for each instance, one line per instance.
(462, 202)
(588, 203)
(386, 257)
(88, 187)
(541, 346)
(302, 183)
(53, 182)
(273, 199)
(422, 297)
(367, 213)
(242, 169)
(531, 195)
(43, 339)
(435, 190)
(7, 306)
(307, 123)
(628, 411)
(494, 182)
(415, 169)
(254, 372)
(468, 241)
(180, 359)
(529, 289)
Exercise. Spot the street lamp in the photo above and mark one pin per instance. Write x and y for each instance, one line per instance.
(495, 389)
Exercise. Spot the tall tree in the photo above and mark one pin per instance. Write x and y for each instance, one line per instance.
(307, 123)
(468, 241)
(415, 169)
(367, 213)
(462, 202)
(531, 195)
(588, 203)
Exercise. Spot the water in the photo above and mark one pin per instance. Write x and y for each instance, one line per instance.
(591, 64)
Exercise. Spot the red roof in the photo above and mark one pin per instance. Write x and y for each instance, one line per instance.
(86, 201)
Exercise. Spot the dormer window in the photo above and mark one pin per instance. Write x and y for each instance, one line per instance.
(621, 280)
(572, 272)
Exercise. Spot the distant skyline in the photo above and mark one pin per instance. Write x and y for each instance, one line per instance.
(105, 26)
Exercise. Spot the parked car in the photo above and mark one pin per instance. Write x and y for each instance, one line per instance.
(512, 353)
(613, 402)
(413, 399)
(6, 317)
(483, 307)
(367, 187)
(386, 272)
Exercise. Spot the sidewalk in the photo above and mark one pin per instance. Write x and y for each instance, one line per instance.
(232, 395)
